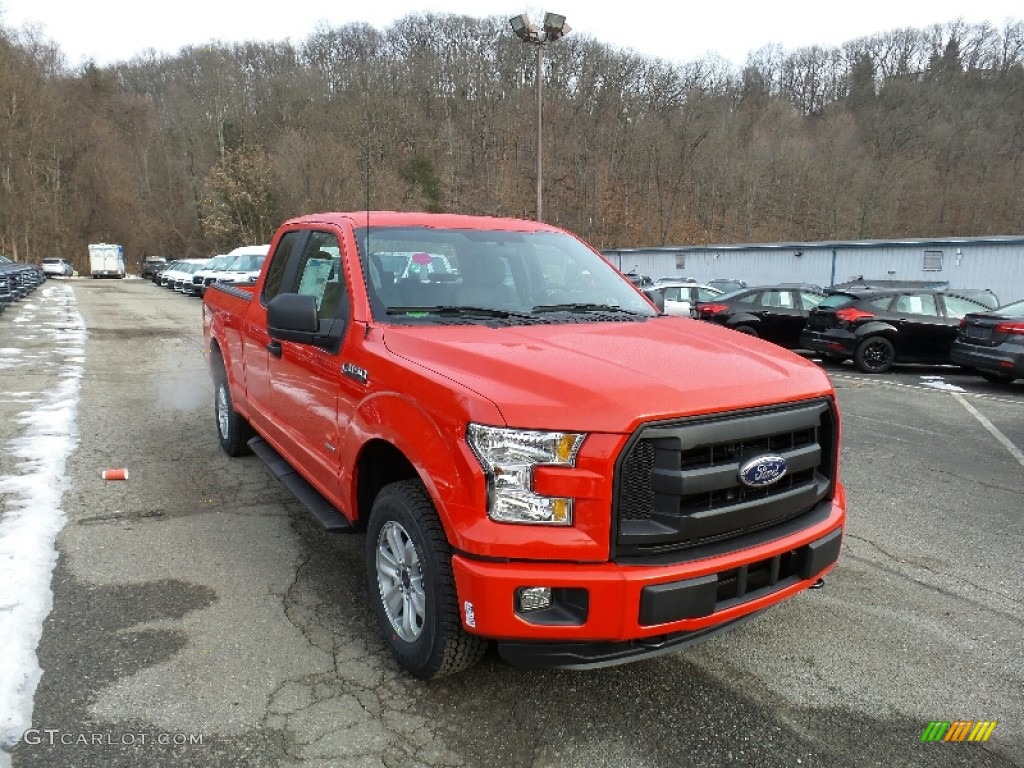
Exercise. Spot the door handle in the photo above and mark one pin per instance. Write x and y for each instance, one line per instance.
(274, 348)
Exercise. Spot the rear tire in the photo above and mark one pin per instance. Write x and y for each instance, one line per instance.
(746, 329)
(875, 354)
(233, 431)
(412, 587)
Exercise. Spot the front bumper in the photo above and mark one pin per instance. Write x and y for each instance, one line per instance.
(639, 610)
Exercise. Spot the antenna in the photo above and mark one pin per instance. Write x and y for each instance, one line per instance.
(366, 135)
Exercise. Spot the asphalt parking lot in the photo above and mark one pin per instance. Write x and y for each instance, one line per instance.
(201, 618)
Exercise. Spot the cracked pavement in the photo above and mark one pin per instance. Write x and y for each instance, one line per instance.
(198, 599)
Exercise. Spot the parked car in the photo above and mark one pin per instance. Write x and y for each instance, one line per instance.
(773, 312)
(57, 267)
(209, 272)
(151, 265)
(643, 282)
(992, 343)
(726, 285)
(183, 278)
(176, 272)
(681, 295)
(450, 423)
(23, 278)
(246, 264)
(879, 328)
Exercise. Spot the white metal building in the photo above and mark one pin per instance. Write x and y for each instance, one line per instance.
(996, 263)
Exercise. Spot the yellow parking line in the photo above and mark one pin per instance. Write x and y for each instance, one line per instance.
(1013, 449)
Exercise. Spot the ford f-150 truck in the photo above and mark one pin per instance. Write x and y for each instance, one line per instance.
(537, 457)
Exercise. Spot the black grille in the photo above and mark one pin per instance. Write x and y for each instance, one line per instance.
(678, 483)
(756, 579)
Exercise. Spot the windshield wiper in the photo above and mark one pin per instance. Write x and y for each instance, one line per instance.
(446, 310)
(583, 308)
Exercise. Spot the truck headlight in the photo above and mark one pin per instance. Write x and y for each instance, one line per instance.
(509, 457)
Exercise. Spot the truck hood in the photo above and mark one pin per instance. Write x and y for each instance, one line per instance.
(610, 377)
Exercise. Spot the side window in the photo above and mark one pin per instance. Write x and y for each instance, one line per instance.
(320, 274)
(674, 293)
(957, 307)
(777, 299)
(882, 302)
(917, 304)
(746, 298)
(278, 262)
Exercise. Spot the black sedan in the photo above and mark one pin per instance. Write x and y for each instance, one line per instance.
(992, 343)
(878, 328)
(775, 313)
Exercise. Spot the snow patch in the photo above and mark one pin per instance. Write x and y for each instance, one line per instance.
(937, 382)
(29, 526)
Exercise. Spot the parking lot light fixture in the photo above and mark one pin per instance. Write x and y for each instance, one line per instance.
(554, 28)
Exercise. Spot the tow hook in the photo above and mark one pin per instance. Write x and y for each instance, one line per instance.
(818, 584)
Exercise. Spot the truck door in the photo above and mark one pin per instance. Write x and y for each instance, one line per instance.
(305, 378)
(256, 341)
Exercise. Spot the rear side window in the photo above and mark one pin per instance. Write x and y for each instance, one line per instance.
(707, 294)
(810, 300)
(957, 307)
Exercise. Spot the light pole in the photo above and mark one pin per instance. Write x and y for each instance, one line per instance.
(554, 28)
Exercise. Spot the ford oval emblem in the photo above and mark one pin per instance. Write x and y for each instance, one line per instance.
(762, 471)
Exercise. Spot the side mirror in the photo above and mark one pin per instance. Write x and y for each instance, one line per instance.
(293, 317)
(656, 297)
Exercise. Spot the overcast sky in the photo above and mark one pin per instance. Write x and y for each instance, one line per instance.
(114, 30)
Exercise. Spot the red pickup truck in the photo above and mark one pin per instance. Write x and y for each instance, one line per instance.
(536, 455)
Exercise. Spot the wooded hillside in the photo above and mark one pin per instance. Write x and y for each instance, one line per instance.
(909, 133)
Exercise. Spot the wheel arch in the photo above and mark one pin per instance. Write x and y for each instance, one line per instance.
(379, 464)
(436, 454)
(744, 318)
(877, 328)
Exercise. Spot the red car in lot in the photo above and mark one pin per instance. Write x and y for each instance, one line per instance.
(537, 460)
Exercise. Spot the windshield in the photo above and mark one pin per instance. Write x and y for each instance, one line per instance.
(1013, 309)
(419, 274)
(218, 262)
(836, 300)
(247, 264)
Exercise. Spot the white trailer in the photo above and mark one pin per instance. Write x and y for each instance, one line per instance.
(106, 260)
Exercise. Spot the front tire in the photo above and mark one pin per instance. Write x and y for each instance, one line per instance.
(875, 354)
(233, 431)
(412, 587)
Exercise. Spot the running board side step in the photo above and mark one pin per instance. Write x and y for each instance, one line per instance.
(329, 517)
